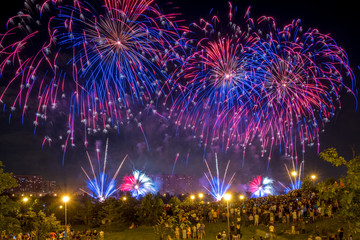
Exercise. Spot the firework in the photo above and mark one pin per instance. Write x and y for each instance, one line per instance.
(304, 72)
(263, 83)
(294, 176)
(93, 58)
(138, 184)
(261, 187)
(100, 185)
(220, 82)
(218, 187)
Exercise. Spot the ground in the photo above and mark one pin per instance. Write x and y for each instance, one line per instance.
(143, 232)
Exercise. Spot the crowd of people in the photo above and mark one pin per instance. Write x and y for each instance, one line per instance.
(293, 211)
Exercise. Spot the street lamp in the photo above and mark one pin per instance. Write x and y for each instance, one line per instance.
(192, 197)
(294, 173)
(66, 199)
(242, 197)
(313, 177)
(227, 197)
(201, 195)
(25, 199)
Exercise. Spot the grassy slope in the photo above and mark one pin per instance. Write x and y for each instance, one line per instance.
(143, 232)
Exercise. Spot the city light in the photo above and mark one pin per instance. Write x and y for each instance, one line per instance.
(61, 207)
(294, 173)
(201, 195)
(313, 177)
(192, 197)
(25, 199)
(242, 197)
(124, 198)
(66, 199)
(227, 197)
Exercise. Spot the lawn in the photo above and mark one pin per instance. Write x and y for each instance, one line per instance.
(211, 229)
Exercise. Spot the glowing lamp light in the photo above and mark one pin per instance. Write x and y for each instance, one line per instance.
(294, 173)
(242, 197)
(201, 195)
(124, 198)
(66, 199)
(227, 197)
(192, 197)
(61, 207)
(25, 199)
(313, 177)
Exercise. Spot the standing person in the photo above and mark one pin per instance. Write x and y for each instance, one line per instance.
(194, 230)
(95, 235)
(223, 235)
(19, 236)
(272, 231)
(188, 232)
(201, 231)
(238, 231)
(101, 235)
(341, 233)
(256, 217)
(218, 237)
(232, 228)
(177, 233)
(215, 216)
(184, 232)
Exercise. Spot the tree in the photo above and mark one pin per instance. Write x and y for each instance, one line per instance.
(151, 209)
(41, 225)
(307, 184)
(348, 192)
(109, 212)
(8, 207)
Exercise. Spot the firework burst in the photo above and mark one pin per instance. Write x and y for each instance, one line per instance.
(261, 187)
(100, 185)
(93, 59)
(218, 187)
(294, 176)
(138, 184)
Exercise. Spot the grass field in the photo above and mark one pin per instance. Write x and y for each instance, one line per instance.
(143, 232)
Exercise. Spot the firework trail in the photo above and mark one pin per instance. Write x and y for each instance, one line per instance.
(100, 185)
(176, 159)
(261, 187)
(218, 187)
(294, 176)
(138, 184)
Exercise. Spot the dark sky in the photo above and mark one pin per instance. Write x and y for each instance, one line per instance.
(20, 149)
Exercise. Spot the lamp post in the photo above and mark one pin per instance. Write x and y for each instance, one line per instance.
(313, 177)
(227, 197)
(294, 174)
(66, 200)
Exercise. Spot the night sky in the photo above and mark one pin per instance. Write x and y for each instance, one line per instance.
(20, 149)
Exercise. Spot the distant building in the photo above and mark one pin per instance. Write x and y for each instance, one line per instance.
(174, 184)
(33, 184)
